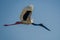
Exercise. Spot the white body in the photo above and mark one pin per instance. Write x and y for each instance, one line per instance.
(28, 21)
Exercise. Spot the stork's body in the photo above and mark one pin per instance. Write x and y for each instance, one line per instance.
(25, 17)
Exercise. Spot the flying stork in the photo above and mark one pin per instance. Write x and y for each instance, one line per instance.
(25, 18)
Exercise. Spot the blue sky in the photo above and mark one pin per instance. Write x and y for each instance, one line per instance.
(45, 11)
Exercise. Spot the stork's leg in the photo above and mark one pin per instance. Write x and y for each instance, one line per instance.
(41, 26)
(13, 24)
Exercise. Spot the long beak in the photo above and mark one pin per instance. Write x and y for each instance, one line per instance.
(44, 27)
(41, 26)
(13, 24)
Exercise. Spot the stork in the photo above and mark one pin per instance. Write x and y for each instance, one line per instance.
(25, 18)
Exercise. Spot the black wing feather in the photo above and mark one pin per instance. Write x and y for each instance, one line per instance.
(26, 15)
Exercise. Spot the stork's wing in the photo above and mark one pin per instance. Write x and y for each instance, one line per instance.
(25, 15)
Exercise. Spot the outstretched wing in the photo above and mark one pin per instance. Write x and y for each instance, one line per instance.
(26, 14)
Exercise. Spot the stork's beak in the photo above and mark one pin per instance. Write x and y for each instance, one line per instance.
(44, 27)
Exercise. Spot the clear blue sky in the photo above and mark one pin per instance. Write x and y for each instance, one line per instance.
(45, 11)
